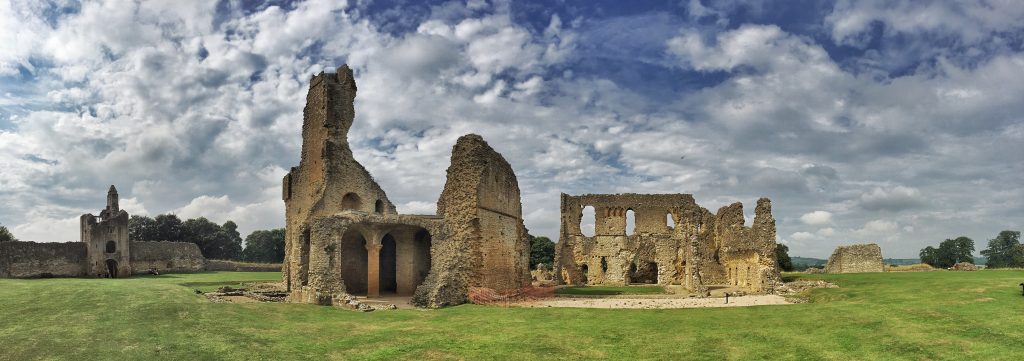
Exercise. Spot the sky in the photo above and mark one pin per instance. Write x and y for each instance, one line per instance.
(894, 122)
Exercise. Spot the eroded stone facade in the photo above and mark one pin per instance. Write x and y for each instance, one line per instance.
(108, 251)
(857, 258)
(345, 237)
(675, 242)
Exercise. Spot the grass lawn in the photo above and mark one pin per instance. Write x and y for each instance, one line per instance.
(612, 290)
(883, 316)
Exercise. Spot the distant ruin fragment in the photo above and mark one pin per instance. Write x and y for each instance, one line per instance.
(344, 236)
(857, 258)
(675, 242)
(104, 251)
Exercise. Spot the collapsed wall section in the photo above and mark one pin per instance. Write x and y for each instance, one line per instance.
(486, 244)
(166, 257)
(34, 260)
(856, 259)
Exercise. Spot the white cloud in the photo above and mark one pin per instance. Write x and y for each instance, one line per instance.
(816, 217)
(802, 236)
(891, 199)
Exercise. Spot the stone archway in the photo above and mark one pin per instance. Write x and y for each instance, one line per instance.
(112, 268)
(388, 265)
(354, 262)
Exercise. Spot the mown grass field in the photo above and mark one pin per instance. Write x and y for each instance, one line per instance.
(882, 316)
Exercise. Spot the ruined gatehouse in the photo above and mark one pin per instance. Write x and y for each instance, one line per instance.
(344, 236)
(104, 250)
(674, 242)
(856, 259)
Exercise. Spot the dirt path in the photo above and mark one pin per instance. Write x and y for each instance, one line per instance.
(657, 303)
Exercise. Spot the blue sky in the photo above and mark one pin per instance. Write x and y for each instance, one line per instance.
(896, 122)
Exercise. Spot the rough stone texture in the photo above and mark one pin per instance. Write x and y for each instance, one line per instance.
(32, 260)
(964, 266)
(696, 250)
(106, 237)
(234, 266)
(856, 259)
(166, 257)
(344, 236)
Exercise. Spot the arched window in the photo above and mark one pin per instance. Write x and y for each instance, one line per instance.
(111, 247)
(604, 265)
(630, 222)
(379, 206)
(588, 221)
(584, 270)
(351, 201)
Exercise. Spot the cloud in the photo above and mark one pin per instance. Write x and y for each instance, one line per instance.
(816, 217)
(891, 199)
(802, 236)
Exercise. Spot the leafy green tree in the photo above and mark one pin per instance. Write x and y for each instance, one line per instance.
(1005, 251)
(167, 227)
(264, 246)
(6, 236)
(782, 257)
(542, 250)
(142, 228)
(214, 241)
(929, 255)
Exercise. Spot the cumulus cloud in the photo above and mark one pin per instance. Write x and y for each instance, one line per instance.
(891, 199)
(816, 217)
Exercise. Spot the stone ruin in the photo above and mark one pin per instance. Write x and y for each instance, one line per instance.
(856, 259)
(104, 251)
(675, 242)
(344, 236)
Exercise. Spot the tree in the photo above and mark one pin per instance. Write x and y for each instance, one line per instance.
(142, 228)
(264, 246)
(214, 241)
(929, 255)
(1005, 251)
(6, 236)
(949, 253)
(167, 227)
(782, 257)
(542, 250)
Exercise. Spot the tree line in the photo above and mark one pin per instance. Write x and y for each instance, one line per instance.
(1004, 251)
(215, 241)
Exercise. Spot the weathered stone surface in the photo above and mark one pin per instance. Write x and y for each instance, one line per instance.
(32, 260)
(695, 249)
(166, 257)
(108, 250)
(855, 259)
(964, 266)
(344, 236)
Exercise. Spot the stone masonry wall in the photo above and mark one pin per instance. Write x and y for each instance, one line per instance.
(856, 259)
(30, 259)
(177, 257)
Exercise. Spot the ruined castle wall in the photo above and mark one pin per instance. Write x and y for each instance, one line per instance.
(31, 259)
(166, 257)
(855, 259)
(482, 213)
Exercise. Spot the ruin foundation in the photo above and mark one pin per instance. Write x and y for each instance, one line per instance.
(856, 259)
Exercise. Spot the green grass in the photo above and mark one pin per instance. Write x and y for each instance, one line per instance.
(881, 316)
(612, 290)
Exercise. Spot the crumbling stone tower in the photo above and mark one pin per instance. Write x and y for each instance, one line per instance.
(343, 235)
(107, 252)
(674, 242)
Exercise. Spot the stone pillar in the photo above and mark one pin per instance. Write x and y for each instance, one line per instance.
(373, 269)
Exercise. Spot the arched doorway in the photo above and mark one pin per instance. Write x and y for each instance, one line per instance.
(111, 247)
(351, 201)
(421, 257)
(354, 262)
(112, 268)
(388, 265)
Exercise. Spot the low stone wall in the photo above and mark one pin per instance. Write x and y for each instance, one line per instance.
(856, 259)
(32, 260)
(234, 266)
(166, 257)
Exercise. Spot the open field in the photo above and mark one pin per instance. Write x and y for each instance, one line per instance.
(927, 315)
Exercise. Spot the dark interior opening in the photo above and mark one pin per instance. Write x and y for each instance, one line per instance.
(583, 270)
(422, 257)
(112, 268)
(645, 273)
(388, 265)
(304, 258)
(111, 247)
(354, 262)
(379, 206)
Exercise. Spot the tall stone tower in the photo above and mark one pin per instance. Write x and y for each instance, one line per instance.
(107, 249)
(328, 179)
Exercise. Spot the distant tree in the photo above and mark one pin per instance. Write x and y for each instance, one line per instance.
(168, 227)
(264, 246)
(6, 236)
(949, 253)
(142, 228)
(1004, 251)
(214, 241)
(542, 250)
(929, 255)
(782, 258)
